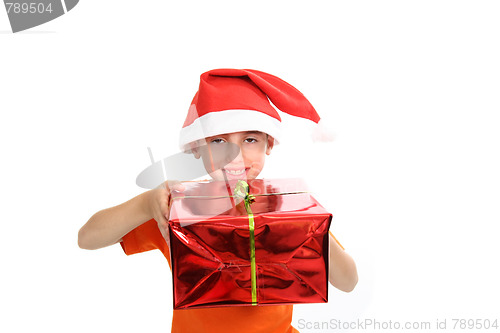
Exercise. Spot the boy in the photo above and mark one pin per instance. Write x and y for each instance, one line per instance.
(231, 106)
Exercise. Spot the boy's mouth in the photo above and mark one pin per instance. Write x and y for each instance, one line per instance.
(235, 173)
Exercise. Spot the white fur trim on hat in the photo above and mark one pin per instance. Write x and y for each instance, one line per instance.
(321, 133)
(229, 121)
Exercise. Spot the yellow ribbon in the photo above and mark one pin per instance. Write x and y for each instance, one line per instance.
(242, 191)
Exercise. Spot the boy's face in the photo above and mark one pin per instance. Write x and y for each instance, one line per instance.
(253, 148)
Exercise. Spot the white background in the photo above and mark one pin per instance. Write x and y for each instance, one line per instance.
(411, 90)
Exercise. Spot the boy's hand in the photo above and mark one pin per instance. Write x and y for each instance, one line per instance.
(159, 204)
(110, 225)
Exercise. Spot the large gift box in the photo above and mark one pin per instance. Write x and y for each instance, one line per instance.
(256, 243)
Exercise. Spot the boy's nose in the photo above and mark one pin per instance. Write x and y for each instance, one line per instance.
(235, 161)
(238, 160)
(222, 155)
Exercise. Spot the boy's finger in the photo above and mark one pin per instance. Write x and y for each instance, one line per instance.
(179, 188)
(175, 185)
(162, 185)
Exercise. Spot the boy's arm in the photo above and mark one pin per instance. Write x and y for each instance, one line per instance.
(108, 226)
(343, 274)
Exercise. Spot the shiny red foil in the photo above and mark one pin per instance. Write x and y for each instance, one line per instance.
(210, 249)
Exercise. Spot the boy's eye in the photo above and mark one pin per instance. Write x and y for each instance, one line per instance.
(250, 140)
(218, 140)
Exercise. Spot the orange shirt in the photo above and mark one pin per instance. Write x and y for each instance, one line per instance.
(241, 319)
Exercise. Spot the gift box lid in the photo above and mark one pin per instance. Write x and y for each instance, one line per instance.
(202, 201)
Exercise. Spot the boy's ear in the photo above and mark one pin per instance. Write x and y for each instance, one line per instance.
(270, 144)
(194, 149)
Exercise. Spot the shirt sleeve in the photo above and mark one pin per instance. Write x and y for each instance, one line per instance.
(336, 239)
(144, 238)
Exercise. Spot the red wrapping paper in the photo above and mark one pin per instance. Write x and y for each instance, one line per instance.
(210, 247)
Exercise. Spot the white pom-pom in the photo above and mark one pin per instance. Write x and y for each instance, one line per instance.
(321, 133)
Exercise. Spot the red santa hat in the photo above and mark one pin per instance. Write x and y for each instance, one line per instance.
(235, 100)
